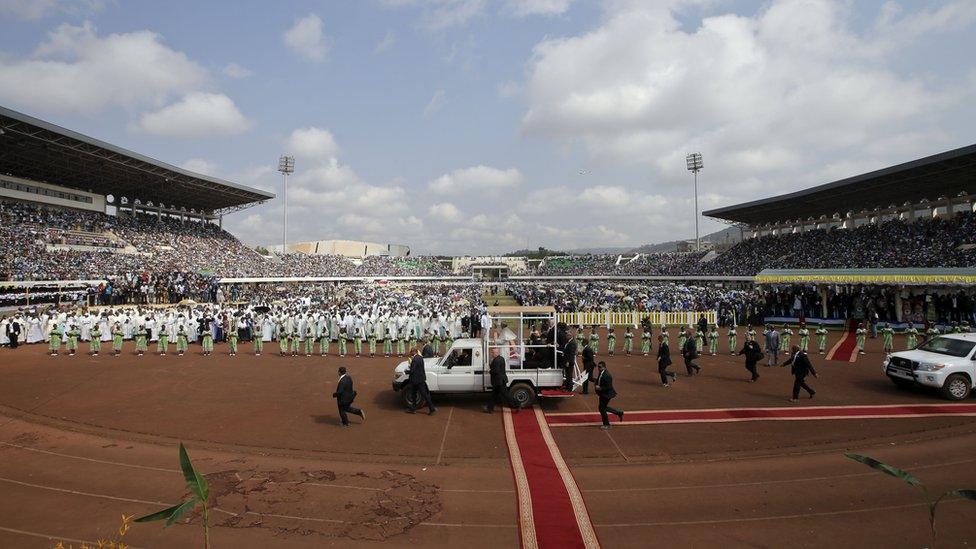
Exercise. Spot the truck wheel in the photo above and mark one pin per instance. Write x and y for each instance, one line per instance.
(522, 394)
(956, 387)
(411, 398)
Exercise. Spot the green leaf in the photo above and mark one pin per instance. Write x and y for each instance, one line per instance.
(194, 480)
(166, 513)
(885, 468)
(968, 494)
(181, 510)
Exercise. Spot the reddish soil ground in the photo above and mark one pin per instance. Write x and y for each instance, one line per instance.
(84, 440)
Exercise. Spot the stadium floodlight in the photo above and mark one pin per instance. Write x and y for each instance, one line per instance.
(286, 165)
(694, 163)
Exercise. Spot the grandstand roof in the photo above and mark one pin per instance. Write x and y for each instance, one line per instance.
(34, 149)
(944, 174)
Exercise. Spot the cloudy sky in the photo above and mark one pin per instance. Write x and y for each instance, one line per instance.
(483, 126)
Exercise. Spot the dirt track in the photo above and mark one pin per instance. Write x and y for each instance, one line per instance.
(84, 440)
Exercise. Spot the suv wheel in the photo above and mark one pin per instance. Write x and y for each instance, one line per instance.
(956, 387)
(522, 394)
(411, 398)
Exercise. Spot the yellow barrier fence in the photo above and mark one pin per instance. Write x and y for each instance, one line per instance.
(633, 318)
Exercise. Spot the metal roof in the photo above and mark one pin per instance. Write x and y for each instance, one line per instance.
(34, 149)
(944, 174)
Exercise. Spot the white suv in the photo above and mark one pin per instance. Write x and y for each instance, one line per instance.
(946, 362)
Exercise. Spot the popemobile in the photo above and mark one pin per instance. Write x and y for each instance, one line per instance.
(531, 367)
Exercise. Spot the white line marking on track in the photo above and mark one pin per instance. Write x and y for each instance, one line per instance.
(773, 517)
(53, 537)
(839, 407)
(440, 453)
(93, 460)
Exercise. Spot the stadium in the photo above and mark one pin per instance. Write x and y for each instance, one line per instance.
(176, 372)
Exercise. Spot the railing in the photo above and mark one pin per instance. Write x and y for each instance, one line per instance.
(634, 318)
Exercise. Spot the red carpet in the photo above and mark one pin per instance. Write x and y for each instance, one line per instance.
(844, 350)
(792, 413)
(551, 510)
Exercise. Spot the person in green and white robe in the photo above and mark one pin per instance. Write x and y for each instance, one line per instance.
(579, 337)
(309, 339)
(387, 341)
(372, 327)
(95, 343)
(887, 338)
(682, 339)
(733, 340)
(785, 339)
(628, 341)
(713, 340)
(750, 333)
(343, 341)
(182, 340)
(861, 335)
(324, 341)
(232, 341)
(665, 335)
(645, 341)
(140, 337)
(401, 335)
(931, 332)
(911, 337)
(55, 344)
(822, 339)
(296, 340)
(699, 340)
(73, 335)
(804, 334)
(162, 344)
(357, 339)
(594, 340)
(207, 341)
(283, 339)
(611, 342)
(117, 335)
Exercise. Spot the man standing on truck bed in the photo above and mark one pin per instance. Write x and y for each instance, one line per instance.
(499, 383)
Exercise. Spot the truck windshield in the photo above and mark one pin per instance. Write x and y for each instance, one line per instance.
(948, 346)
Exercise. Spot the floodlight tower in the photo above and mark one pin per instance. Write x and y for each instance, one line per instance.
(286, 165)
(694, 162)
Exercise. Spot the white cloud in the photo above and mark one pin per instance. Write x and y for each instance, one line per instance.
(475, 178)
(233, 70)
(507, 90)
(200, 165)
(307, 38)
(524, 8)
(198, 114)
(785, 91)
(76, 70)
(444, 211)
(386, 43)
(38, 9)
(435, 103)
(317, 144)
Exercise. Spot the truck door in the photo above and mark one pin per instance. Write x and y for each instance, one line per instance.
(459, 371)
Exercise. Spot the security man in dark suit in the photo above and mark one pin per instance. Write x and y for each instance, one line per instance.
(753, 354)
(606, 392)
(690, 353)
(428, 351)
(663, 361)
(589, 365)
(801, 367)
(13, 332)
(499, 383)
(569, 360)
(344, 396)
(418, 384)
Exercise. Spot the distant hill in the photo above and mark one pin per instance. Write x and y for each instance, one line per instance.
(730, 234)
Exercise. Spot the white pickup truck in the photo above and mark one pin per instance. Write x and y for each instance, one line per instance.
(464, 367)
(946, 362)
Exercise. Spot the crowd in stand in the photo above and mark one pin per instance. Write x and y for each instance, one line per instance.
(892, 244)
